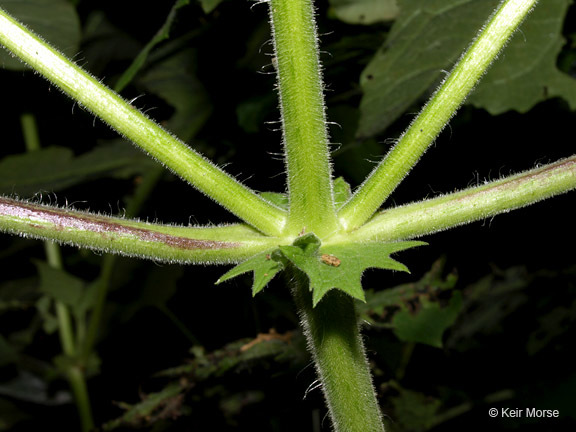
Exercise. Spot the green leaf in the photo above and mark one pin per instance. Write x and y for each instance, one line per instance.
(55, 20)
(150, 409)
(365, 11)
(140, 60)
(66, 288)
(253, 112)
(44, 306)
(526, 73)
(417, 312)
(428, 322)
(8, 353)
(427, 37)
(278, 199)
(60, 285)
(173, 80)
(18, 294)
(159, 287)
(342, 191)
(10, 415)
(30, 387)
(414, 411)
(264, 265)
(56, 168)
(341, 266)
(209, 5)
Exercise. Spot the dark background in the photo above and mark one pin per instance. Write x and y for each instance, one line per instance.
(137, 342)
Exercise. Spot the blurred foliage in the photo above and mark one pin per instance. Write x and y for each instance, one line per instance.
(491, 324)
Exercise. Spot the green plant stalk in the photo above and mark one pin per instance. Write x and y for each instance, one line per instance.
(65, 329)
(435, 115)
(30, 132)
(303, 118)
(142, 192)
(140, 129)
(77, 381)
(333, 336)
(74, 373)
(220, 244)
(447, 211)
(162, 34)
(75, 376)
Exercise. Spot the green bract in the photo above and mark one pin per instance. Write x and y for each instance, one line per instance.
(337, 266)
(341, 266)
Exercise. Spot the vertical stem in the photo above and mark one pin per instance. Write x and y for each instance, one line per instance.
(77, 381)
(30, 132)
(303, 117)
(333, 336)
(74, 373)
(65, 329)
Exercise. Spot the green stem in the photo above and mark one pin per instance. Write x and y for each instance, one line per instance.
(333, 336)
(436, 114)
(65, 329)
(74, 374)
(446, 211)
(140, 129)
(225, 244)
(142, 192)
(179, 324)
(77, 381)
(303, 118)
(102, 287)
(30, 132)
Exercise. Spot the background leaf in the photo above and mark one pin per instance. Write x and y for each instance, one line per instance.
(365, 11)
(56, 168)
(66, 288)
(414, 410)
(209, 5)
(428, 322)
(173, 79)
(405, 68)
(162, 34)
(526, 73)
(427, 37)
(417, 312)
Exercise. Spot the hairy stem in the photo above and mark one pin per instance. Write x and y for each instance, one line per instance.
(436, 114)
(226, 244)
(446, 211)
(303, 118)
(332, 332)
(140, 129)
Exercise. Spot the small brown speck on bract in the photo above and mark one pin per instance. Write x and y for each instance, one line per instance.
(330, 260)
